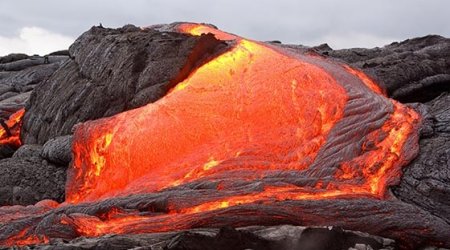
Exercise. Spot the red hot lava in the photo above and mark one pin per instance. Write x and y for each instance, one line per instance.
(249, 113)
(10, 130)
(305, 127)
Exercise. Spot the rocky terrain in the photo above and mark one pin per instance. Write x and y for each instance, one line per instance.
(108, 71)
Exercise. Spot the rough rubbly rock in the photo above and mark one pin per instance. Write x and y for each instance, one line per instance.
(27, 178)
(426, 181)
(284, 237)
(111, 70)
(27, 151)
(58, 150)
(419, 64)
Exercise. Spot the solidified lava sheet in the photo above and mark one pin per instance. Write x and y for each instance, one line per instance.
(255, 127)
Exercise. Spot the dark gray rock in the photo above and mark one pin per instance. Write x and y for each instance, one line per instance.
(13, 104)
(58, 150)
(7, 95)
(29, 62)
(426, 181)
(27, 151)
(6, 151)
(284, 237)
(4, 88)
(26, 178)
(60, 53)
(13, 57)
(111, 70)
(29, 76)
(16, 85)
(405, 68)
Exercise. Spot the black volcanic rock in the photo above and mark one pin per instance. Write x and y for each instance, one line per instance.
(426, 181)
(19, 75)
(110, 71)
(413, 70)
(26, 178)
(58, 150)
(30, 62)
(285, 237)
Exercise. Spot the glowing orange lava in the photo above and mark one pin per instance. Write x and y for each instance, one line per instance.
(13, 123)
(23, 239)
(251, 109)
(220, 112)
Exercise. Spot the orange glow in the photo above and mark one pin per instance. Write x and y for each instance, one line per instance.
(197, 30)
(233, 114)
(204, 130)
(366, 80)
(22, 238)
(14, 123)
(252, 114)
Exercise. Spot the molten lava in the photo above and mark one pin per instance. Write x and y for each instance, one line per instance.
(10, 130)
(298, 126)
(250, 114)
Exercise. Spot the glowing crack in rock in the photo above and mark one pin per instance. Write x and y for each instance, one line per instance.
(11, 135)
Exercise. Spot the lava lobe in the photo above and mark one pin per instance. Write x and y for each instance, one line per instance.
(253, 128)
(306, 127)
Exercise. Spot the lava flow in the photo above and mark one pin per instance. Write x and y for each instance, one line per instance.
(10, 130)
(257, 123)
(252, 113)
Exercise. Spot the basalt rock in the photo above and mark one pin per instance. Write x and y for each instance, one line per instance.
(284, 237)
(426, 181)
(415, 70)
(58, 150)
(30, 62)
(26, 178)
(19, 75)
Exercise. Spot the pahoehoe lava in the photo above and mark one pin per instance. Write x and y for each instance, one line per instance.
(253, 134)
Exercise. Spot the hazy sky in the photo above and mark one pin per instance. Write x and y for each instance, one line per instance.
(41, 26)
